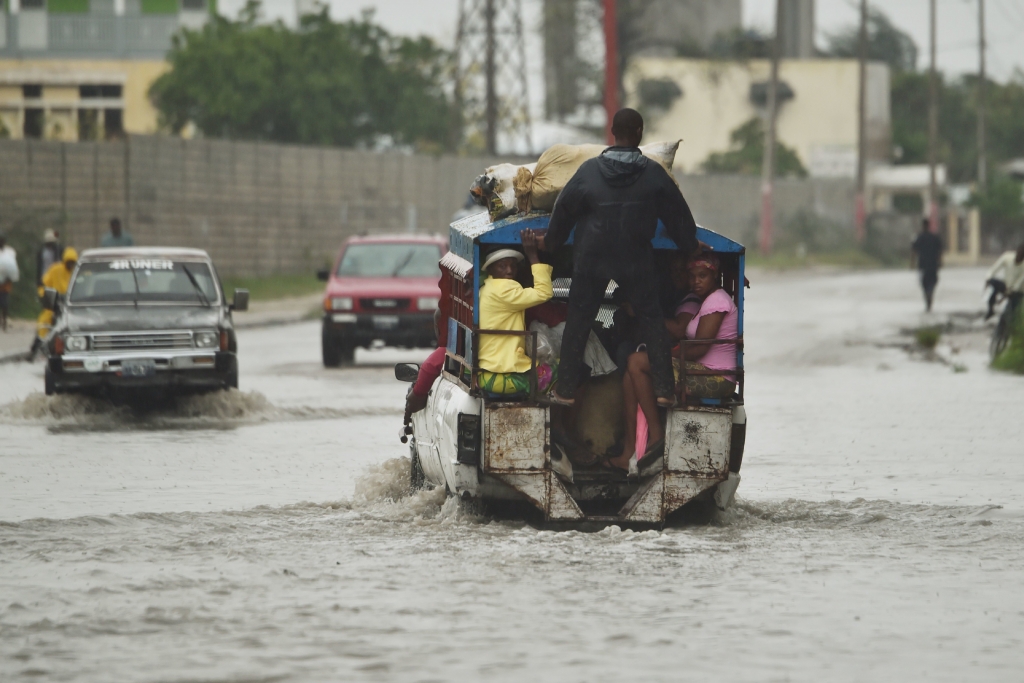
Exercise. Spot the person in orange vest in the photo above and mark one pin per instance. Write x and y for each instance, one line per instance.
(57, 277)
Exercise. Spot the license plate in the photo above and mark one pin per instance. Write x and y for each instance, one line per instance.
(138, 368)
(385, 322)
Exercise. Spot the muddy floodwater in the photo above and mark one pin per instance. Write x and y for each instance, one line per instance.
(267, 534)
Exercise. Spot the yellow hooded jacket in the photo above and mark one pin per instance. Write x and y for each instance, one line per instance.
(56, 277)
(502, 306)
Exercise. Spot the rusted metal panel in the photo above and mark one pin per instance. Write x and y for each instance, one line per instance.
(681, 489)
(561, 505)
(698, 442)
(646, 504)
(515, 438)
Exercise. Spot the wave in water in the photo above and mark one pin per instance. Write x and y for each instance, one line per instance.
(218, 407)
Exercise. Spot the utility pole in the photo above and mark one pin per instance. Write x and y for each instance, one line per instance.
(491, 106)
(611, 66)
(862, 137)
(982, 161)
(933, 125)
(768, 167)
(490, 83)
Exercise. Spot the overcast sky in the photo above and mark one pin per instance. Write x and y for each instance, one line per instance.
(957, 24)
(957, 33)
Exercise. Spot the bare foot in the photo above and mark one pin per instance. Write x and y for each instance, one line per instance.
(620, 463)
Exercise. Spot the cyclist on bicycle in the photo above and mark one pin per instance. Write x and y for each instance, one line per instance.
(1006, 279)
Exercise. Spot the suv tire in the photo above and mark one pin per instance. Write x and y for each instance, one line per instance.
(330, 351)
(49, 385)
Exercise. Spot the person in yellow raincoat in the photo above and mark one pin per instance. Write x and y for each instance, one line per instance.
(502, 358)
(57, 277)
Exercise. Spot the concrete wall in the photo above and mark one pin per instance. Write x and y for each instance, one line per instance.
(817, 212)
(264, 208)
(257, 208)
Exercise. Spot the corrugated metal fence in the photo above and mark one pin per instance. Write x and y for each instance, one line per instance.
(257, 208)
(269, 208)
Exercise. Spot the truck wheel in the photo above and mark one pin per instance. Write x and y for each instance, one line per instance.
(331, 352)
(233, 379)
(416, 478)
(48, 384)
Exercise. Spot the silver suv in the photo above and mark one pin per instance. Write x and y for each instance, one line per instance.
(143, 319)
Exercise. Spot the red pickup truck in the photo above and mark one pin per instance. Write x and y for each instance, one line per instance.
(383, 287)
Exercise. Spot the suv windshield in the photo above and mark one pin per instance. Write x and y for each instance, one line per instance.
(390, 259)
(143, 280)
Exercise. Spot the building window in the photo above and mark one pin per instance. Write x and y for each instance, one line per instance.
(87, 92)
(113, 124)
(31, 92)
(88, 124)
(33, 127)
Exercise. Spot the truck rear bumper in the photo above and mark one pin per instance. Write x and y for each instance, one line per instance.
(362, 329)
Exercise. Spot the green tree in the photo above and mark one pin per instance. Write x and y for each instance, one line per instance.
(347, 84)
(886, 43)
(1002, 209)
(746, 155)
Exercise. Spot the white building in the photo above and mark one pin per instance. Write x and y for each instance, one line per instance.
(708, 99)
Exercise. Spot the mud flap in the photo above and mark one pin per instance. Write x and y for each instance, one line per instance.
(546, 492)
(662, 495)
(725, 492)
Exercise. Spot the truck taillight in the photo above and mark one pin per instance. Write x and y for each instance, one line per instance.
(223, 340)
(468, 451)
(58, 346)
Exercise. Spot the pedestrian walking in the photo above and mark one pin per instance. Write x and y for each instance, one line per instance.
(8, 276)
(117, 237)
(48, 254)
(927, 251)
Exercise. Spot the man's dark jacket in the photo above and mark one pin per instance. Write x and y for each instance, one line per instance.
(614, 201)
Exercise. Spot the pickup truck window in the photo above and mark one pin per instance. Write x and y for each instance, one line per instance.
(390, 260)
(158, 280)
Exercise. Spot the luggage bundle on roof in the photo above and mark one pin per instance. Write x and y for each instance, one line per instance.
(506, 189)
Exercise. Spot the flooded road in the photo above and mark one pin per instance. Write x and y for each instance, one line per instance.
(267, 535)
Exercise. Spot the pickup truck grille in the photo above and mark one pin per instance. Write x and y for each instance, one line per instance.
(384, 304)
(148, 340)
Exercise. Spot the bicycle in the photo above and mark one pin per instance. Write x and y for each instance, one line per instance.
(1004, 327)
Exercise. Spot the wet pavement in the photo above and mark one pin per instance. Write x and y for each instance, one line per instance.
(267, 534)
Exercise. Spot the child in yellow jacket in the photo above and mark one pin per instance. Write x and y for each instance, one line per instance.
(503, 301)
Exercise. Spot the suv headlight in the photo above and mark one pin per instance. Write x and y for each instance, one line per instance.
(206, 340)
(341, 303)
(427, 303)
(76, 343)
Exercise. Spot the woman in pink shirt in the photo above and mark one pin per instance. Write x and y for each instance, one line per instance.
(717, 318)
(714, 317)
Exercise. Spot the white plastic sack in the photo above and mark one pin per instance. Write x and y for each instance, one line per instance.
(549, 345)
(8, 265)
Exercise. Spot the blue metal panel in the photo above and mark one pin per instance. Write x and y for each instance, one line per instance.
(476, 229)
(476, 285)
(453, 336)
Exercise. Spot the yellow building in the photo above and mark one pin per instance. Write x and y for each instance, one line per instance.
(77, 99)
(704, 101)
(81, 69)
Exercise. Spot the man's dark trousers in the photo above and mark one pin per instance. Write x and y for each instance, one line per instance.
(585, 298)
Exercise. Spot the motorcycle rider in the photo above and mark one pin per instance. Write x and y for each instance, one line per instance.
(1006, 278)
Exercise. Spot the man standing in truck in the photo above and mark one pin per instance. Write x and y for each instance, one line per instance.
(614, 203)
